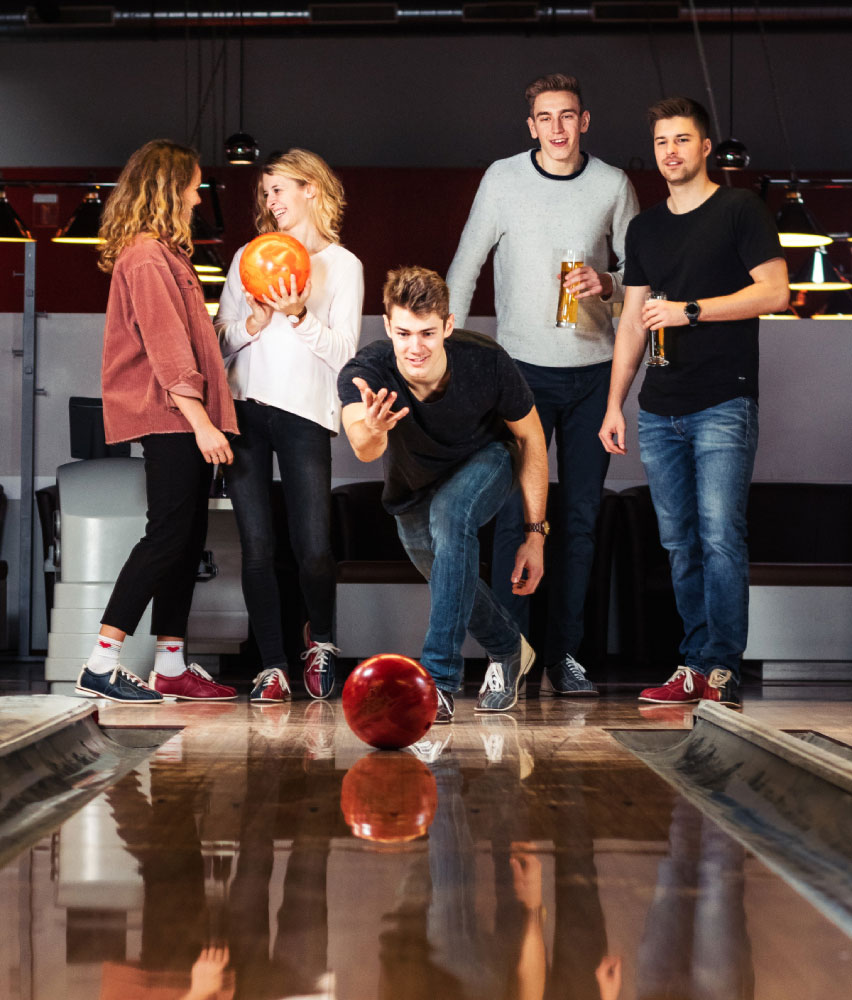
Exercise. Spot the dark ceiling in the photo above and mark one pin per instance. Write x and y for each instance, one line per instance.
(163, 17)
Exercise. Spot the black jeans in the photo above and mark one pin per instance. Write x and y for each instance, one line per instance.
(164, 563)
(571, 401)
(303, 449)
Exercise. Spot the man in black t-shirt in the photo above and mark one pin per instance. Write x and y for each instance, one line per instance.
(463, 411)
(715, 254)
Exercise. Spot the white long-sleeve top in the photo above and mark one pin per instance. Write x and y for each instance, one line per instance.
(529, 217)
(296, 368)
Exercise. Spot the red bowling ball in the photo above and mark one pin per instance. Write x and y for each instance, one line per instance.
(269, 257)
(389, 798)
(390, 701)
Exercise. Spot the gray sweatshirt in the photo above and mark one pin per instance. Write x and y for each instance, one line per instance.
(530, 217)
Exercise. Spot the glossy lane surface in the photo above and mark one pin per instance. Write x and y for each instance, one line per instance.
(527, 855)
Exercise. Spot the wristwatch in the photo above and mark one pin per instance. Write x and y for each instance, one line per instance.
(296, 320)
(692, 310)
(540, 527)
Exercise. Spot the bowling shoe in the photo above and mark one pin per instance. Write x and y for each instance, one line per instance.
(723, 688)
(446, 708)
(685, 686)
(270, 685)
(119, 685)
(320, 660)
(566, 677)
(500, 689)
(194, 684)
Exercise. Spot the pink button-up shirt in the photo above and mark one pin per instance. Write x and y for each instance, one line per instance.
(158, 339)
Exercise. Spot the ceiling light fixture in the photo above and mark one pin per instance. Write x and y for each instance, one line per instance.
(84, 225)
(731, 154)
(12, 228)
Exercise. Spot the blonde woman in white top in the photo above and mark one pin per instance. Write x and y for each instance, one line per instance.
(283, 355)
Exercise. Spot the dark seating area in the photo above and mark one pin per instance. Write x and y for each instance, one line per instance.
(799, 535)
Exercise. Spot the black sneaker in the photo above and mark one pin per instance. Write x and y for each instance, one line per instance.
(119, 685)
(568, 678)
(500, 689)
(723, 688)
(446, 708)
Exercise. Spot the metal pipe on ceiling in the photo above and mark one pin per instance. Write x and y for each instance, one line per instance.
(70, 19)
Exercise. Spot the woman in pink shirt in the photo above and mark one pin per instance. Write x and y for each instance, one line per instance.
(163, 385)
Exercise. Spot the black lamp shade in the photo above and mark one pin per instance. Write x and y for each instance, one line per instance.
(85, 223)
(732, 155)
(818, 275)
(241, 148)
(12, 229)
(796, 226)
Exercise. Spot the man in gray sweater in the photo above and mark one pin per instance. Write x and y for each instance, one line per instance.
(530, 208)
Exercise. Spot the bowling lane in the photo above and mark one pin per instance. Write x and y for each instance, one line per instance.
(527, 855)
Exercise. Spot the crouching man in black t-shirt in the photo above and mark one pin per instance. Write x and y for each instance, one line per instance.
(452, 416)
(715, 253)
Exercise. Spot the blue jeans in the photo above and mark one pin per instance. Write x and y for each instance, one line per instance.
(699, 469)
(571, 401)
(303, 449)
(440, 536)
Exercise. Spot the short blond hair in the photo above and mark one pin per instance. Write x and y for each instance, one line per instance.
(148, 198)
(304, 167)
(418, 290)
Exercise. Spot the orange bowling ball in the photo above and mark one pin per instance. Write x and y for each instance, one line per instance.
(269, 257)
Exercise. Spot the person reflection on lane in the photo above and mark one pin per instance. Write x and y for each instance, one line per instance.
(695, 944)
(294, 797)
(438, 943)
(178, 960)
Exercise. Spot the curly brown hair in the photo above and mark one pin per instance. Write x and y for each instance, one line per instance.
(148, 198)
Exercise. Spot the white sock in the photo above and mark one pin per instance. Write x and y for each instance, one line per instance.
(169, 661)
(105, 655)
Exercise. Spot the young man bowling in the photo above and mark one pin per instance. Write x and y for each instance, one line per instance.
(455, 422)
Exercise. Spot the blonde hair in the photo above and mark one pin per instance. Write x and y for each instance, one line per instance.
(148, 198)
(304, 167)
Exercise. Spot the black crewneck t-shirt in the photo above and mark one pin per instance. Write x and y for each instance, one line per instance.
(698, 255)
(485, 389)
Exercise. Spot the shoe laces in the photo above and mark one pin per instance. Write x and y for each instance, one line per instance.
(127, 675)
(194, 668)
(719, 677)
(577, 670)
(494, 680)
(493, 744)
(317, 655)
(266, 677)
(428, 751)
(687, 673)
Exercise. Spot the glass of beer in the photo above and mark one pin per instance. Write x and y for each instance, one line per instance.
(566, 311)
(656, 339)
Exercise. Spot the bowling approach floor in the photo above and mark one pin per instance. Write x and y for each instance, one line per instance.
(526, 855)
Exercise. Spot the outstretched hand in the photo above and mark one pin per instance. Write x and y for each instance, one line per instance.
(378, 416)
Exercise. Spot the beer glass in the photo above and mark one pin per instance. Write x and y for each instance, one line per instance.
(566, 311)
(656, 339)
